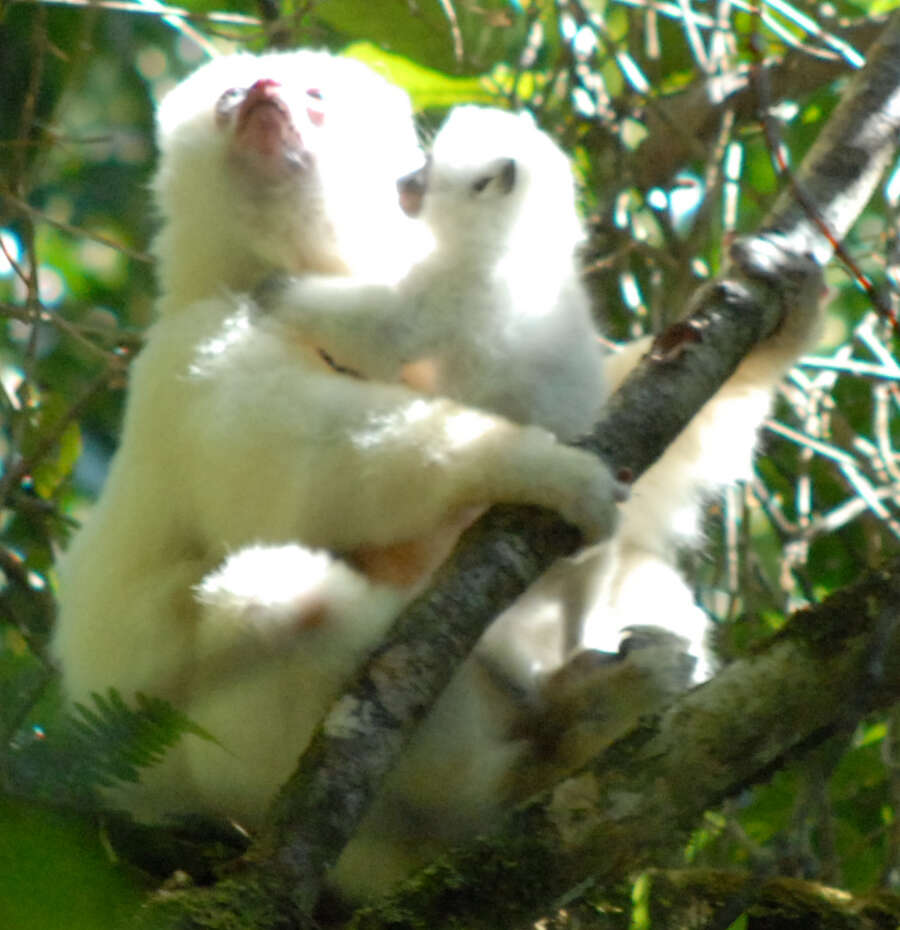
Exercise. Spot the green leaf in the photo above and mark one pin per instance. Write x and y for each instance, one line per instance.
(427, 87)
(390, 24)
(52, 472)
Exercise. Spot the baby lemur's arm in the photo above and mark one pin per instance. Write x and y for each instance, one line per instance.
(363, 327)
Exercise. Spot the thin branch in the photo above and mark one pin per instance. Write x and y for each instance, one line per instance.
(20, 468)
(119, 338)
(135, 6)
(853, 366)
(823, 448)
(455, 31)
(23, 206)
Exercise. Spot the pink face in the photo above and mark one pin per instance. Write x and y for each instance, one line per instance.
(263, 130)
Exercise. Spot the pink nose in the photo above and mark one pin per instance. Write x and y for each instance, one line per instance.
(264, 87)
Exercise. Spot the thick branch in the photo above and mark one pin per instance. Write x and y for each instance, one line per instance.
(638, 801)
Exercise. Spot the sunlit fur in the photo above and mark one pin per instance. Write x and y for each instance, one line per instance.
(495, 315)
(245, 461)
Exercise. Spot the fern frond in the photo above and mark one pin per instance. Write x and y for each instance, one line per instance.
(98, 745)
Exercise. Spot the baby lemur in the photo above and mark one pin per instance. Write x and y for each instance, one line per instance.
(496, 315)
(207, 573)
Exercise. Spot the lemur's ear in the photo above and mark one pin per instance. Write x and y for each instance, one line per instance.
(503, 175)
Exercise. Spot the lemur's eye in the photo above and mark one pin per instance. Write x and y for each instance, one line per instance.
(227, 102)
(314, 109)
(504, 176)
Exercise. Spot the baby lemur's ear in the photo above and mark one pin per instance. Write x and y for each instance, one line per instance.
(503, 176)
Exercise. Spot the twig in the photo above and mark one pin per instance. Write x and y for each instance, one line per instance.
(19, 469)
(455, 31)
(26, 208)
(136, 6)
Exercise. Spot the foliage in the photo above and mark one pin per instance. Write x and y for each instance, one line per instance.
(56, 872)
(668, 174)
(95, 747)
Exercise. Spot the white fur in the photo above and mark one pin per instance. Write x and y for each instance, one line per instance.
(334, 219)
(642, 586)
(495, 316)
(242, 454)
(632, 582)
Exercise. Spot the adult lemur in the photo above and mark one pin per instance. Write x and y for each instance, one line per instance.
(205, 572)
(242, 448)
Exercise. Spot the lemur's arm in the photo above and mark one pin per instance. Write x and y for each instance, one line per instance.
(361, 326)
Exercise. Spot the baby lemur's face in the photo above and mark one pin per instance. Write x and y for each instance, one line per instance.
(493, 179)
(448, 194)
(477, 185)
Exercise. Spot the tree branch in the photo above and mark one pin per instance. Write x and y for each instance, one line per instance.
(682, 124)
(677, 897)
(640, 799)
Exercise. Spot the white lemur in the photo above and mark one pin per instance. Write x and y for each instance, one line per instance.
(205, 574)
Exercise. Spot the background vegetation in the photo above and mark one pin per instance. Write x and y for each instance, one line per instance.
(674, 113)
